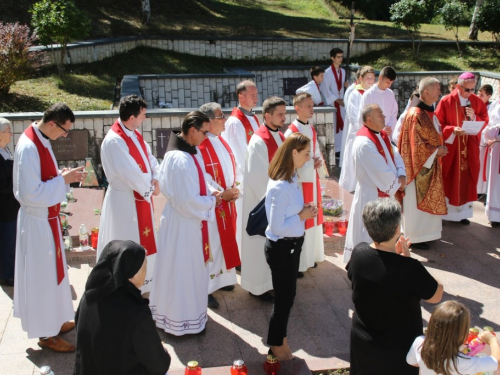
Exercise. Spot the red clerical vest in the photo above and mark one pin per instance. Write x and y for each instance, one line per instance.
(269, 140)
(48, 171)
(307, 187)
(225, 212)
(338, 81)
(143, 207)
(366, 132)
(245, 121)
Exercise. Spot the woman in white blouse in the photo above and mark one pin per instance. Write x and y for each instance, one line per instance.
(286, 214)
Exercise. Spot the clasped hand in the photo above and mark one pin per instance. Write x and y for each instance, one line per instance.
(228, 195)
(308, 212)
(442, 150)
(71, 175)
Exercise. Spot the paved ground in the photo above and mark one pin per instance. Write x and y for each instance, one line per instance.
(466, 260)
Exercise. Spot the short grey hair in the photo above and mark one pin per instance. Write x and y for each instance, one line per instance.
(4, 123)
(425, 83)
(381, 218)
(243, 86)
(210, 108)
(365, 112)
(461, 81)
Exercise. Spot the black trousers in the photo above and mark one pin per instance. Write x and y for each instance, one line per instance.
(283, 256)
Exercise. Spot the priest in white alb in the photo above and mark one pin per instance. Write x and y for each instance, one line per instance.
(313, 249)
(382, 95)
(332, 90)
(179, 292)
(492, 138)
(240, 127)
(42, 295)
(220, 165)
(366, 79)
(348, 92)
(255, 272)
(421, 146)
(132, 173)
(379, 172)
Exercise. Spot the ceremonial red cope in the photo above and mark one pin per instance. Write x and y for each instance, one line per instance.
(48, 171)
(338, 80)
(364, 131)
(319, 93)
(204, 224)
(269, 140)
(307, 187)
(143, 207)
(225, 212)
(245, 121)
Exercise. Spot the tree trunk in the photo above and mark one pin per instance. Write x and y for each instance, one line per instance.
(473, 27)
(146, 12)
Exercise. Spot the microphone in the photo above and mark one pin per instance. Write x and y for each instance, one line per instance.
(468, 105)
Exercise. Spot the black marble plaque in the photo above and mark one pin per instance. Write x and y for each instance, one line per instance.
(75, 146)
(290, 85)
(162, 137)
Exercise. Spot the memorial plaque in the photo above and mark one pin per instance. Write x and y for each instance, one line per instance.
(162, 137)
(290, 85)
(75, 146)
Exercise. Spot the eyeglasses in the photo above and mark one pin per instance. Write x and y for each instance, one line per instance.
(66, 131)
(219, 117)
(469, 90)
(205, 132)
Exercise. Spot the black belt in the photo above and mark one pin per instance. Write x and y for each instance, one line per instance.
(292, 238)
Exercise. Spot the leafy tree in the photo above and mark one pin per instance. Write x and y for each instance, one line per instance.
(473, 24)
(17, 62)
(453, 15)
(410, 14)
(488, 19)
(59, 22)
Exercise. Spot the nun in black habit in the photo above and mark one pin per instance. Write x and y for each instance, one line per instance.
(115, 332)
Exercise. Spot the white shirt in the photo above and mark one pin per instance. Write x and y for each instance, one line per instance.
(284, 202)
(385, 100)
(465, 365)
(311, 88)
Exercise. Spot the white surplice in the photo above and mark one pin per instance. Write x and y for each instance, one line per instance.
(234, 134)
(178, 298)
(331, 93)
(484, 154)
(313, 249)
(385, 100)
(311, 88)
(345, 133)
(491, 132)
(39, 301)
(372, 172)
(119, 214)
(255, 272)
(219, 275)
(347, 176)
(421, 226)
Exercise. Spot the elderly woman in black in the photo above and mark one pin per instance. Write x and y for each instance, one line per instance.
(387, 286)
(115, 332)
(8, 208)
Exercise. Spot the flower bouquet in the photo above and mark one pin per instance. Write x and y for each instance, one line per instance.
(332, 206)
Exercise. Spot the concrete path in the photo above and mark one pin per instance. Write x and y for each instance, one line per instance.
(466, 260)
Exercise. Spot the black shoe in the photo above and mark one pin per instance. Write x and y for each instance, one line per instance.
(266, 297)
(495, 224)
(465, 222)
(227, 288)
(481, 198)
(238, 268)
(212, 302)
(7, 282)
(300, 275)
(420, 246)
(315, 265)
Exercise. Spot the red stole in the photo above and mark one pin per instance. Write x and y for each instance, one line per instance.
(307, 187)
(338, 80)
(48, 171)
(143, 207)
(269, 140)
(204, 224)
(318, 91)
(245, 121)
(225, 210)
(366, 132)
